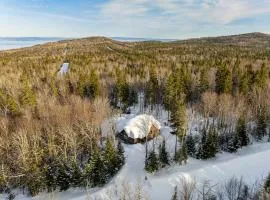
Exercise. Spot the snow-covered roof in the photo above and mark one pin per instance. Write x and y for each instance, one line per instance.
(138, 126)
(64, 68)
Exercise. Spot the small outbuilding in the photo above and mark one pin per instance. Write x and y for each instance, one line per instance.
(138, 129)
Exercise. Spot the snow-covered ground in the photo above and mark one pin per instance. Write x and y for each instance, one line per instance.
(251, 162)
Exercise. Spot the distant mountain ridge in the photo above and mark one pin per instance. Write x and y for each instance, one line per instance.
(246, 39)
(255, 39)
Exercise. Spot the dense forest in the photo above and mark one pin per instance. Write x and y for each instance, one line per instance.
(50, 123)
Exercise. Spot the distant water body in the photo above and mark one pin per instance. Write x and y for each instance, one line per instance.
(7, 43)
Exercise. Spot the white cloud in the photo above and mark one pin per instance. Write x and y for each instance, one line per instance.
(211, 11)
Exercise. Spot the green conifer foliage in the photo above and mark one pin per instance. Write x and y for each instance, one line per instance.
(241, 132)
(175, 194)
(76, 174)
(88, 85)
(183, 154)
(190, 143)
(244, 84)
(223, 80)
(151, 163)
(110, 158)
(163, 155)
(51, 170)
(152, 88)
(204, 81)
(120, 155)
(267, 184)
(27, 96)
(261, 77)
(64, 179)
(208, 143)
(8, 104)
(261, 126)
(95, 171)
(3, 180)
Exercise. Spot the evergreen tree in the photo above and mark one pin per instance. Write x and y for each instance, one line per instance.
(27, 96)
(267, 184)
(52, 166)
(152, 86)
(35, 180)
(163, 154)
(76, 174)
(175, 195)
(261, 126)
(110, 158)
(88, 85)
(151, 163)
(223, 80)
(244, 84)
(183, 154)
(190, 143)
(95, 173)
(232, 142)
(241, 132)
(170, 92)
(120, 155)
(208, 146)
(3, 180)
(180, 120)
(261, 77)
(204, 81)
(123, 90)
(64, 178)
(8, 104)
(133, 97)
(235, 77)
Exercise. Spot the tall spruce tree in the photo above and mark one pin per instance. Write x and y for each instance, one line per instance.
(152, 88)
(232, 142)
(175, 194)
(261, 126)
(27, 95)
(163, 154)
(267, 184)
(241, 132)
(95, 173)
(8, 104)
(52, 166)
(244, 84)
(120, 155)
(64, 176)
(223, 80)
(261, 77)
(110, 158)
(191, 147)
(208, 146)
(204, 81)
(76, 174)
(88, 85)
(151, 162)
(180, 118)
(183, 154)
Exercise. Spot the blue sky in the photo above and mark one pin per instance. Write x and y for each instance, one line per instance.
(175, 19)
